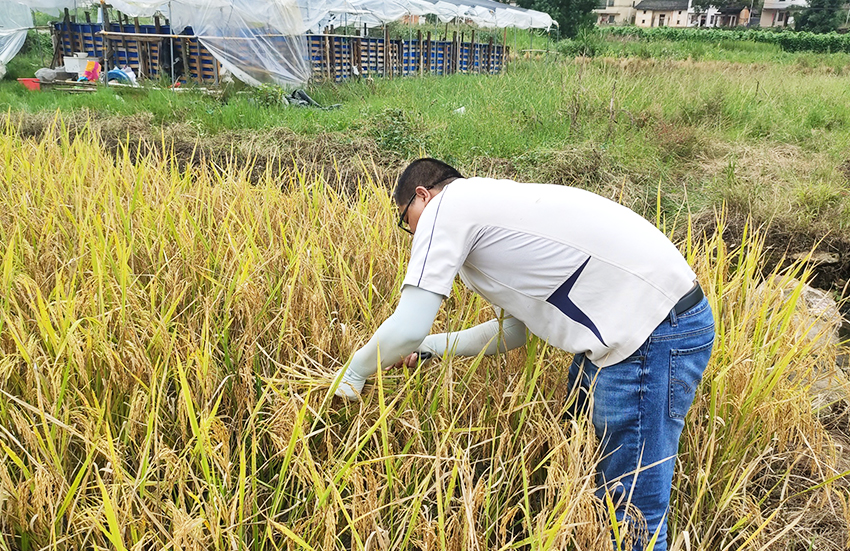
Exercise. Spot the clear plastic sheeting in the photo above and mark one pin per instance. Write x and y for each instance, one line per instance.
(53, 7)
(10, 44)
(15, 19)
(258, 41)
(262, 41)
(318, 14)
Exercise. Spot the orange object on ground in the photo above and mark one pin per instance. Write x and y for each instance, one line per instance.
(30, 83)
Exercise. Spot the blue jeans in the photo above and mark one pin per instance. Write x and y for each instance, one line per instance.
(639, 408)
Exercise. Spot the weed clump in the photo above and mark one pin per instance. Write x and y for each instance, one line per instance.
(677, 142)
(267, 95)
(398, 133)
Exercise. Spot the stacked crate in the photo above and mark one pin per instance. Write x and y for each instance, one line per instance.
(332, 57)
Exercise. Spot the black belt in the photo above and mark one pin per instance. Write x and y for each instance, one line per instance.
(691, 299)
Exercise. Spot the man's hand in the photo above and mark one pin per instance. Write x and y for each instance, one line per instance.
(350, 385)
(412, 360)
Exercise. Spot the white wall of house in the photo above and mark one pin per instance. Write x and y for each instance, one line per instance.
(617, 12)
(775, 12)
(620, 12)
(649, 18)
(783, 4)
(712, 18)
(614, 16)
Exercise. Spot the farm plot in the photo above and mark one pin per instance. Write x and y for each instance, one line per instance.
(168, 334)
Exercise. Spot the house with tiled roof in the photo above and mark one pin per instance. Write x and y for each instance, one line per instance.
(727, 16)
(662, 13)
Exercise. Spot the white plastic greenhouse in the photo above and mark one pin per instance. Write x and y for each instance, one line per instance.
(263, 41)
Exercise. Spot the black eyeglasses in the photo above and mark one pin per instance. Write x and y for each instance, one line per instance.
(401, 216)
(401, 221)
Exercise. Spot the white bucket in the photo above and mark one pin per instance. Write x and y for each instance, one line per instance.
(76, 64)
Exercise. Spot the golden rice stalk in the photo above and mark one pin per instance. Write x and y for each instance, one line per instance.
(168, 337)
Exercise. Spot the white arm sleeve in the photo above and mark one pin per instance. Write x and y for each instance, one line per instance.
(397, 337)
(485, 336)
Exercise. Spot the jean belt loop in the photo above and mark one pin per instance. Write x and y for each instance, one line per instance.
(691, 299)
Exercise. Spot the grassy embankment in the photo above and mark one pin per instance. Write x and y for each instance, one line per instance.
(738, 122)
(167, 337)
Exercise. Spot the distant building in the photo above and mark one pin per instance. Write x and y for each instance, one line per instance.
(413, 19)
(615, 12)
(732, 16)
(671, 13)
(775, 13)
(662, 13)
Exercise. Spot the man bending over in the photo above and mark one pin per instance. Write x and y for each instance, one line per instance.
(584, 274)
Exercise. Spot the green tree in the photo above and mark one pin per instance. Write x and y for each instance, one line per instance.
(571, 15)
(820, 17)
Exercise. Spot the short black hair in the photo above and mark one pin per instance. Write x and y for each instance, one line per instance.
(428, 173)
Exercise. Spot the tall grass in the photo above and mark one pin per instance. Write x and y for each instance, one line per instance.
(168, 337)
(708, 130)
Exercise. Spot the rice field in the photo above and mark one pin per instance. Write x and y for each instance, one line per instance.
(168, 335)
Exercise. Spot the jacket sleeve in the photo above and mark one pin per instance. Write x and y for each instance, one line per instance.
(397, 337)
(491, 337)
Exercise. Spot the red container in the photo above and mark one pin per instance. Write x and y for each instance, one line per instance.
(30, 83)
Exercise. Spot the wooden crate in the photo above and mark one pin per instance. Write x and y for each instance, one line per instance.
(331, 57)
(201, 67)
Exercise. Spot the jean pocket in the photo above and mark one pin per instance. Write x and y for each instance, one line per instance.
(686, 368)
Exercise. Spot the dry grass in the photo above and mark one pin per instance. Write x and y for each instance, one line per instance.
(167, 340)
(337, 155)
(782, 184)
